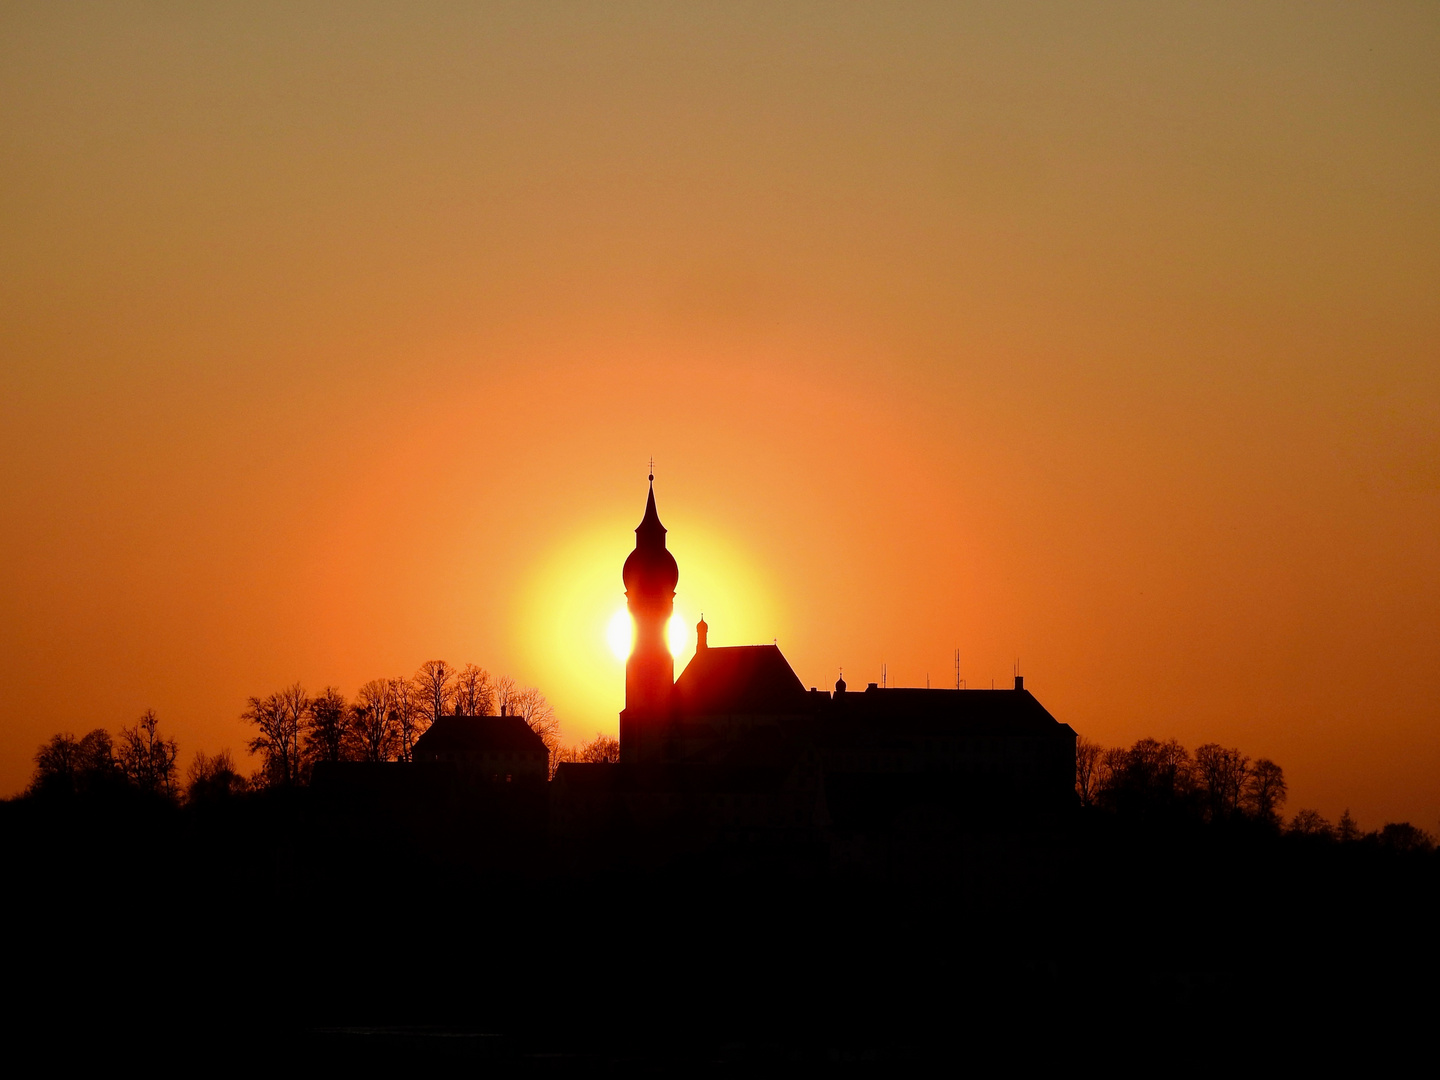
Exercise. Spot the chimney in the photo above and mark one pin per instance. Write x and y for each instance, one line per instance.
(1019, 682)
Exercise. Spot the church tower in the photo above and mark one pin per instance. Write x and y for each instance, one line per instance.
(650, 577)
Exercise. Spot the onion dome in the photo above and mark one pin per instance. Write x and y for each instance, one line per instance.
(650, 570)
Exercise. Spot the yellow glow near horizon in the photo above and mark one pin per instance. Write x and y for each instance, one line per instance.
(576, 627)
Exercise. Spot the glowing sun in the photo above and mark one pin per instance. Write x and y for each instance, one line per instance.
(620, 633)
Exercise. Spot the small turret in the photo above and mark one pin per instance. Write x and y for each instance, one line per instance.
(702, 634)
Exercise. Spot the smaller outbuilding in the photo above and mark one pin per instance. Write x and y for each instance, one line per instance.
(491, 749)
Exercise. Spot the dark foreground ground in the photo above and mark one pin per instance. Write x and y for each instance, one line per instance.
(279, 930)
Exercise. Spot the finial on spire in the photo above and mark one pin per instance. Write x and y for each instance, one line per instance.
(652, 468)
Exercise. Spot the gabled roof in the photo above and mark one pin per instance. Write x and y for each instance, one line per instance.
(738, 679)
(478, 735)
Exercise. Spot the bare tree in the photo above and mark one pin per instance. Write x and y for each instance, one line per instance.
(327, 726)
(148, 758)
(434, 686)
(530, 705)
(1311, 823)
(57, 765)
(374, 735)
(504, 690)
(1402, 836)
(66, 764)
(1265, 791)
(1150, 777)
(603, 749)
(210, 778)
(474, 694)
(1347, 830)
(1113, 763)
(1089, 769)
(279, 720)
(96, 758)
(1173, 768)
(1221, 774)
(411, 719)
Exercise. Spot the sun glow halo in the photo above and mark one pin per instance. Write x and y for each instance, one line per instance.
(677, 634)
(620, 633)
(571, 615)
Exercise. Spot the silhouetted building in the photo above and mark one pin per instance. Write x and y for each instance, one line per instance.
(473, 793)
(494, 749)
(457, 757)
(737, 745)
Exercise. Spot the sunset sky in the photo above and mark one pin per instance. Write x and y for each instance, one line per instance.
(335, 338)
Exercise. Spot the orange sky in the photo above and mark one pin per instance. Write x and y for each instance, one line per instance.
(335, 338)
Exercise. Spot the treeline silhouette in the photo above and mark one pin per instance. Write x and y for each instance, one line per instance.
(1217, 785)
(144, 761)
(1151, 781)
(1176, 916)
(294, 731)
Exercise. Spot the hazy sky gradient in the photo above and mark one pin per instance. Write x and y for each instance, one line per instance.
(335, 338)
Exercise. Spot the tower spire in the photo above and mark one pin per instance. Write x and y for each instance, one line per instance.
(650, 575)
